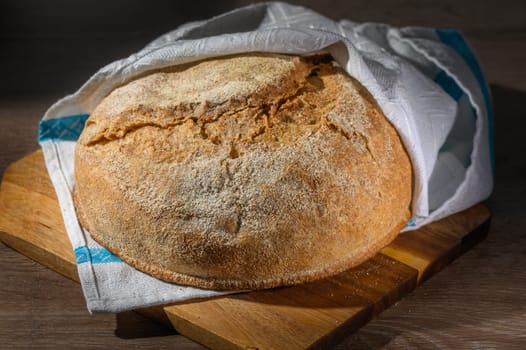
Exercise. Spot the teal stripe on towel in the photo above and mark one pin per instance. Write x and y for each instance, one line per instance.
(62, 129)
(84, 254)
(454, 39)
(449, 85)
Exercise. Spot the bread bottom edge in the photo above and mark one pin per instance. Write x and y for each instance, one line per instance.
(238, 285)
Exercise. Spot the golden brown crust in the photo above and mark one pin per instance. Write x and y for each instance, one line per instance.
(276, 170)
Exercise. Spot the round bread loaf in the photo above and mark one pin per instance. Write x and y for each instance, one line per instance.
(242, 172)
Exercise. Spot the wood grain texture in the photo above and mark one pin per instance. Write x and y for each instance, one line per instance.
(476, 302)
(46, 236)
(309, 315)
(43, 310)
(434, 246)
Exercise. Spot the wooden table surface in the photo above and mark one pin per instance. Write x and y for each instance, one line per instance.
(479, 301)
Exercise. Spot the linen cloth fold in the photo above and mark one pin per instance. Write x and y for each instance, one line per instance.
(427, 81)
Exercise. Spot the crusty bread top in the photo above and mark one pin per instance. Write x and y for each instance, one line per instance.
(204, 91)
(242, 172)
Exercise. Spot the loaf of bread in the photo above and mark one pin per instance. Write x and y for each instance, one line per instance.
(242, 172)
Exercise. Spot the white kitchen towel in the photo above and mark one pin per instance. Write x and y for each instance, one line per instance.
(427, 82)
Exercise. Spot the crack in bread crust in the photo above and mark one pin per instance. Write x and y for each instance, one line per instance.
(203, 114)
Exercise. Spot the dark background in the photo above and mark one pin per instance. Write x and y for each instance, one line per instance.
(49, 48)
(54, 46)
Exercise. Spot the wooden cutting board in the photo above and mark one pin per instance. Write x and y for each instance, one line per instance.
(310, 315)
